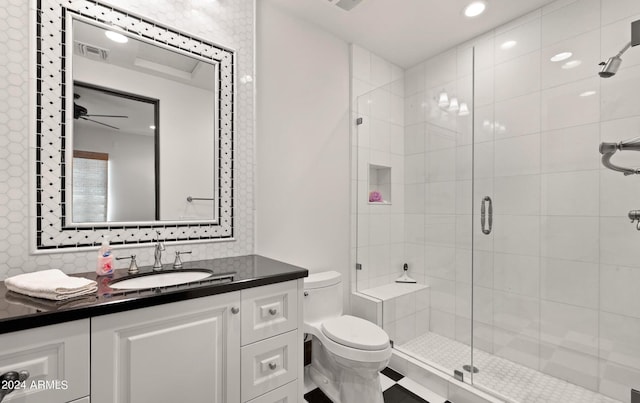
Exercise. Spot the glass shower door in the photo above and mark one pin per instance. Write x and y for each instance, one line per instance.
(413, 156)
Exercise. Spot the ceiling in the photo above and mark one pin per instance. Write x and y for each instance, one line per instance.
(407, 32)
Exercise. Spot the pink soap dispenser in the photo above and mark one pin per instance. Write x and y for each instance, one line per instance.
(104, 265)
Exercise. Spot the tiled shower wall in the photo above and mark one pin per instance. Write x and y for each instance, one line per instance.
(556, 283)
(230, 24)
(377, 96)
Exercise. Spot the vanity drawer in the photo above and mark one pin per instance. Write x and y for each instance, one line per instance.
(269, 364)
(56, 357)
(268, 311)
(284, 394)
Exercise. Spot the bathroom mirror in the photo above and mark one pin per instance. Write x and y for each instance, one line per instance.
(84, 88)
(156, 159)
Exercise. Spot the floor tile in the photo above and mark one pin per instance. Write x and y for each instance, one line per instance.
(392, 374)
(316, 396)
(398, 394)
(386, 382)
(498, 374)
(421, 391)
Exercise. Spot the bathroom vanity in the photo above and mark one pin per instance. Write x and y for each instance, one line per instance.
(233, 341)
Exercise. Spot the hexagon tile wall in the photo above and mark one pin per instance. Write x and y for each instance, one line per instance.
(226, 23)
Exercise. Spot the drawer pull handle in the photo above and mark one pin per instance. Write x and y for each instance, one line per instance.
(235, 310)
(13, 379)
(273, 365)
(273, 311)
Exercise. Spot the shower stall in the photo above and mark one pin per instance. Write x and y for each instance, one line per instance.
(480, 171)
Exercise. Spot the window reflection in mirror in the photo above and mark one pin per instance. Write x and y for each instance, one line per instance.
(161, 166)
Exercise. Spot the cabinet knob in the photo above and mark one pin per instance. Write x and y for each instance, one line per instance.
(235, 310)
(273, 365)
(273, 311)
(12, 380)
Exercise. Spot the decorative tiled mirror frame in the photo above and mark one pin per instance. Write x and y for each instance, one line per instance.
(51, 232)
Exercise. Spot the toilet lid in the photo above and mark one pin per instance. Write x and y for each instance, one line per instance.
(356, 333)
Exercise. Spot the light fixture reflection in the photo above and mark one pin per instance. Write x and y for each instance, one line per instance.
(588, 93)
(464, 109)
(475, 9)
(508, 45)
(443, 100)
(453, 105)
(152, 127)
(561, 56)
(571, 64)
(116, 37)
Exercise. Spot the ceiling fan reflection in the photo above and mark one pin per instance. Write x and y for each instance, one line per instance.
(80, 112)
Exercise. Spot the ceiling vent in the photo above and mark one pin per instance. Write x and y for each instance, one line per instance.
(346, 5)
(91, 51)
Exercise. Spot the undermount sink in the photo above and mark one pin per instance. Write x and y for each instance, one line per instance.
(160, 279)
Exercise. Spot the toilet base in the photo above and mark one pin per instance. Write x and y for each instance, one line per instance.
(344, 380)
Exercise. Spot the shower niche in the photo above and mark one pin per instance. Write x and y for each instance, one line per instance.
(379, 184)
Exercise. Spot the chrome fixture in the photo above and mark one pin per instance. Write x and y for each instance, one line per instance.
(10, 381)
(611, 66)
(483, 213)
(157, 254)
(133, 266)
(608, 149)
(177, 264)
(190, 199)
(634, 215)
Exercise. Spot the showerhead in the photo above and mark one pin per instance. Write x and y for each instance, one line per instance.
(610, 67)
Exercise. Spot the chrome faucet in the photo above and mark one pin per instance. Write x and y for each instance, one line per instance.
(157, 253)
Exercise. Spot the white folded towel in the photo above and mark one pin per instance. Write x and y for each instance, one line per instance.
(50, 284)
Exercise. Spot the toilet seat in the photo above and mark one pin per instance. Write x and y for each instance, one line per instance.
(356, 333)
(342, 350)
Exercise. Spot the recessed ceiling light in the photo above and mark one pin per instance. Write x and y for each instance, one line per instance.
(571, 64)
(561, 56)
(508, 45)
(475, 9)
(588, 93)
(116, 37)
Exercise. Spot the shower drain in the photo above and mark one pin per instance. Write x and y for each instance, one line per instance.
(469, 368)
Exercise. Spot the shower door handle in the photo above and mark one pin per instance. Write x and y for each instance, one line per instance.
(484, 210)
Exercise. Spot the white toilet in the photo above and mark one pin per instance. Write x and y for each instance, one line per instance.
(347, 352)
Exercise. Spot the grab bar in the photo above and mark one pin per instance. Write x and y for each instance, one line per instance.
(190, 199)
(608, 149)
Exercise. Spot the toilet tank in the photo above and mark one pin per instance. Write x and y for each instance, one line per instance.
(322, 296)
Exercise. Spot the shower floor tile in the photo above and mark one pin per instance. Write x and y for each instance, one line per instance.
(396, 388)
(513, 381)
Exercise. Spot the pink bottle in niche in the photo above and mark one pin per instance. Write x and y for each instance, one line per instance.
(104, 265)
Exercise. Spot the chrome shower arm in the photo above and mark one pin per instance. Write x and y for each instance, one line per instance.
(626, 47)
(608, 149)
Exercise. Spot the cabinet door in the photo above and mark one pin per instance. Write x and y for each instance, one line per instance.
(180, 352)
(56, 357)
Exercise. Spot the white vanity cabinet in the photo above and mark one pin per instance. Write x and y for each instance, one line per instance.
(241, 346)
(56, 357)
(185, 351)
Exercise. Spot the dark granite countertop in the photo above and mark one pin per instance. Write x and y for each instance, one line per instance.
(19, 312)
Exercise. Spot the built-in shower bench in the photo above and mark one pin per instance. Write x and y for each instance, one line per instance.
(401, 309)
